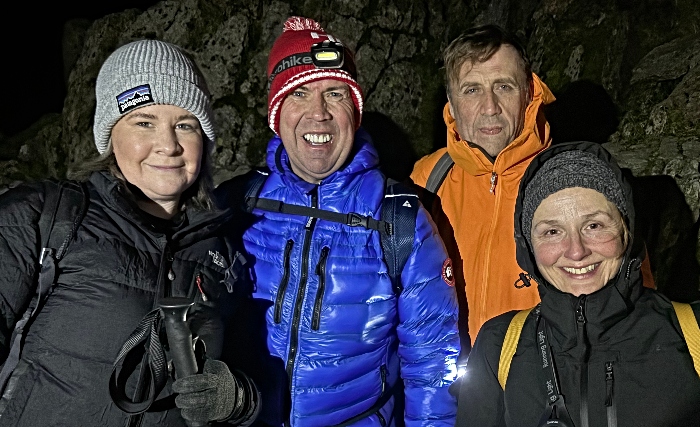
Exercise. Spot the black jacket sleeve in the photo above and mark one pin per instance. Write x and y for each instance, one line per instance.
(20, 209)
(481, 399)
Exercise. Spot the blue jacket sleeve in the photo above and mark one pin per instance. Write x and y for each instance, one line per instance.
(427, 330)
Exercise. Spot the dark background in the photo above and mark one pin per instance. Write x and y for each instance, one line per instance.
(32, 65)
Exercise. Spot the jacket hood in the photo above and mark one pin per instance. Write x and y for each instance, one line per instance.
(606, 305)
(533, 138)
(362, 157)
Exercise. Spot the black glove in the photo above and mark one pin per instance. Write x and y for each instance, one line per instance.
(209, 396)
(216, 395)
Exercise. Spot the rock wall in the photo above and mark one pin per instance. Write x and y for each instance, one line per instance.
(626, 74)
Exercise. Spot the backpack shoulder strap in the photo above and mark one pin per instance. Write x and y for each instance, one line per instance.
(255, 182)
(64, 208)
(439, 173)
(400, 208)
(253, 185)
(690, 329)
(510, 344)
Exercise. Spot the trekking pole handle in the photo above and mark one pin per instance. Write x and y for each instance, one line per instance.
(180, 339)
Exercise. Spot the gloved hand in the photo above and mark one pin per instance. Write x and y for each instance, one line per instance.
(209, 396)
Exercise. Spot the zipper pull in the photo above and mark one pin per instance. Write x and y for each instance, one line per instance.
(198, 281)
(171, 275)
(609, 378)
(580, 311)
(494, 179)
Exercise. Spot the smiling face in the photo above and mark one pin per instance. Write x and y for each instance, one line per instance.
(489, 99)
(578, 238)
(159, 149)
(317, 128)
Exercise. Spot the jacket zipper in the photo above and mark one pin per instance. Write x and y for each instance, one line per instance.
(299, 302)
(321, 272)
(581, 323)
(609, 398)
(285, 280)
(167, 271)
(165, 278)
(382, 371)
(494, 180)
(487, 248)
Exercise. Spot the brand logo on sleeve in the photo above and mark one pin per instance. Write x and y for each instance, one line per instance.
(448, 272)
(134, 97)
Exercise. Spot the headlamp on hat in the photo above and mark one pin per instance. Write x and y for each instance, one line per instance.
(305, 53)
(327, 54)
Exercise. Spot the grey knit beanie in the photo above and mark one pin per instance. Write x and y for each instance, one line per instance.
(574, 168)
(148, 72)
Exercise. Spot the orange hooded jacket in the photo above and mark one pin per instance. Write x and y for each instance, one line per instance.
(477, 212)
(478, 198)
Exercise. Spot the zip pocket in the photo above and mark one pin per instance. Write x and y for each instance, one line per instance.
(609, 394)
(284, 282)
(321, 272)
(384, 397)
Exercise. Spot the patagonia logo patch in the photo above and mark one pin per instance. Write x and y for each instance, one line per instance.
(447, 272)
(133, 98)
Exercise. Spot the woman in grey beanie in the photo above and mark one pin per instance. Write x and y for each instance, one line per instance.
(137, 231)
(601, 349)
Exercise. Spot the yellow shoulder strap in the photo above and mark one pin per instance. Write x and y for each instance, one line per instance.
(510, 343)
(691, 331)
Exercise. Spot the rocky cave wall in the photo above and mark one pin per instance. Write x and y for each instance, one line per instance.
(626, 74)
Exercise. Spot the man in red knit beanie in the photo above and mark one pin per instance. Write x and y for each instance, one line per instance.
(343, 340)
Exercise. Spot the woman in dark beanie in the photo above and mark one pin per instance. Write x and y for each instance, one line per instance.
(600, 349)
(141, 229)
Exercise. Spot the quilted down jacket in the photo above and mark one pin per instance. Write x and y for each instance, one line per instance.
(110, 277)
(337, 344)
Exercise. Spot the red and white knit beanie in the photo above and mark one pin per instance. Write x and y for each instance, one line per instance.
(290, 66)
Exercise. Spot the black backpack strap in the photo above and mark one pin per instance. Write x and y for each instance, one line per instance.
(439, 173)
(255, 182)
(253, 185)
(351, 219)
(65, 204)
(400, 208)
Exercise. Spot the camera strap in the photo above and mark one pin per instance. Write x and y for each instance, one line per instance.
(555, 414)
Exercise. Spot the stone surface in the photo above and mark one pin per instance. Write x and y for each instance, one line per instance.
(626, 74)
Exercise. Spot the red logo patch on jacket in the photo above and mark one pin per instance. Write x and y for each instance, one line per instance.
(447, 272)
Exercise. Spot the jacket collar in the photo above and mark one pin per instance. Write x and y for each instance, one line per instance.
(533, 139)
(362, 158)
(199, 223)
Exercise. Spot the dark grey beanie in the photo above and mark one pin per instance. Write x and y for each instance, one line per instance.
(568, 169)
(148, 72)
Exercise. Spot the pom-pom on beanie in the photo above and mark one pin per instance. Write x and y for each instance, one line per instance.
(290, 65)
(148, 72)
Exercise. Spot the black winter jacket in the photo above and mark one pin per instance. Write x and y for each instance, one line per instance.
(111, 276)
(619, 353)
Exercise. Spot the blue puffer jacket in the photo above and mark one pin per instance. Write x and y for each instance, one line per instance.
(337, 337)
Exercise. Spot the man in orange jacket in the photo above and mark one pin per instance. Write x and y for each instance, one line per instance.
(495, 126)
